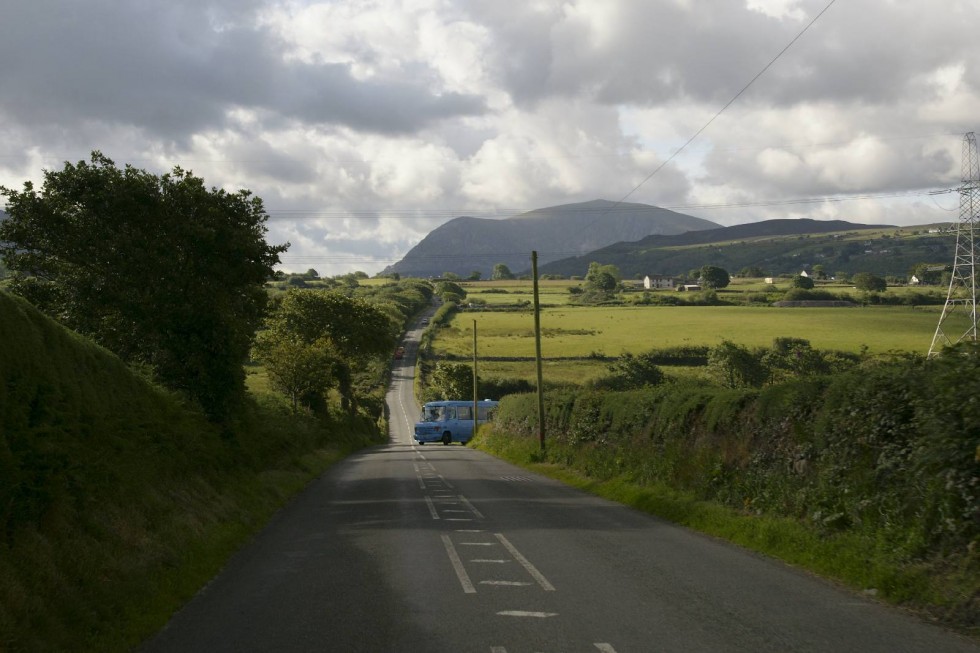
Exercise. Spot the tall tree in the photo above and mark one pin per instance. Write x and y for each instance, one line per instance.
(355, 329)
(501, 272)
(869, 282)
(160, 270)
(714, 277)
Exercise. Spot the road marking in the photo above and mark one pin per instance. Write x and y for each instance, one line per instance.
(448, 484)
(486, 561)
(524, 613)
(452, 509)
(464, 578)
(514, 583)
(466, 502)
(605, 648)
(531, 569)
(498, 649)
(476, 544)
(469, 530)
(432, 508)
(458, 519)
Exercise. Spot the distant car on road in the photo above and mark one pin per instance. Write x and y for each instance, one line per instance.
(399, 353)
(425, 320)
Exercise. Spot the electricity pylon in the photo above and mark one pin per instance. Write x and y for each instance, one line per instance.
(962, 295)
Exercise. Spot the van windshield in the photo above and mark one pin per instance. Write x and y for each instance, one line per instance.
(433, 414)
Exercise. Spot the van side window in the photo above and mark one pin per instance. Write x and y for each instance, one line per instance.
(450, 412)
(464, 412)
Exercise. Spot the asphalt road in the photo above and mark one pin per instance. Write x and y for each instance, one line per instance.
(443, 548)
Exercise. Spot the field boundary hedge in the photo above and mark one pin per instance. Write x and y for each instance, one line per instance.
(887, 453)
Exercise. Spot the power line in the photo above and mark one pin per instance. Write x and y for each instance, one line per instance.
(732, 101)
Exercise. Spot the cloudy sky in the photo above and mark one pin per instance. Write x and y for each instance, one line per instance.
(364, 124)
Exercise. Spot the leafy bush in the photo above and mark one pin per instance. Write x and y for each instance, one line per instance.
(889, 450)
(497, 387)
(801, 294)
(630, 372)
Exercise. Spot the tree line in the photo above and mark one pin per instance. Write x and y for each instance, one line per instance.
(170, 275)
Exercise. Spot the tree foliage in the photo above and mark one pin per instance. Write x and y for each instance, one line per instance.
(736, 366)
(603, 278)
(450, 291)
(450, 381)
(302, 371)
(632, 372)
(160, 270)
(869, 282)
(711, 276)
(806, 283)
(346, 331)
(501, 272)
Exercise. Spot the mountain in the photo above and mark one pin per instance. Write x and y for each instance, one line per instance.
(775, 246)
(467, 244)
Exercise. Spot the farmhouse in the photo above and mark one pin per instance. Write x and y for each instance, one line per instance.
(657, 282)
(689, 288)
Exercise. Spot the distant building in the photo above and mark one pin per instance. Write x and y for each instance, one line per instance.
(689, 288)
(804, 274)
(770, 280)
(658, 282)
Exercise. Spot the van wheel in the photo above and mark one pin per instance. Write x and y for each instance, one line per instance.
(447, 437)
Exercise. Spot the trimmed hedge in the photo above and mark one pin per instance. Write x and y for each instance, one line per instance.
(888, 450)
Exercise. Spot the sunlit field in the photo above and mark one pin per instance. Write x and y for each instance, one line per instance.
(611, 331)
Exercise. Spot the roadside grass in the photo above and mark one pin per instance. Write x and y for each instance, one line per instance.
(105, 578)
(859, 562)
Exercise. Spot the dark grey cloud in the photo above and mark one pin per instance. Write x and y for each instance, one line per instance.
(706, 51)
(399, 114)
(175, 69)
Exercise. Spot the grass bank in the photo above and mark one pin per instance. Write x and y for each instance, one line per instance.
(118, 501)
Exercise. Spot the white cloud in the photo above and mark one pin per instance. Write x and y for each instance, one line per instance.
(364, 124)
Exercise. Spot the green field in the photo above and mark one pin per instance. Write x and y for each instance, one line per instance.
(611, 331)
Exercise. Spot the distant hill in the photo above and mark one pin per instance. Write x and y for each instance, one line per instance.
(776, 246)
(467, 244)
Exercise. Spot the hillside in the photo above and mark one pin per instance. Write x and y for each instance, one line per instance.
(118, 501)
(468, 244)
(776, 246)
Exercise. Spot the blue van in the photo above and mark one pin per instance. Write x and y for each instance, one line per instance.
(451, 421)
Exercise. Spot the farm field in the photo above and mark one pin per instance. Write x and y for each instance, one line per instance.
(578, 331)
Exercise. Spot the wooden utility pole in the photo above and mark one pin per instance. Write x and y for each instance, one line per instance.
(537, 348)
(476, 391)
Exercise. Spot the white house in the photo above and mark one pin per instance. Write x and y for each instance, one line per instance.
(657, 282)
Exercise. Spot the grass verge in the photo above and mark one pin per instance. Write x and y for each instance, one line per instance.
(932, 590)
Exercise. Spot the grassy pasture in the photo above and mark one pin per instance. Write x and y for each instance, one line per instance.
(581, 331)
